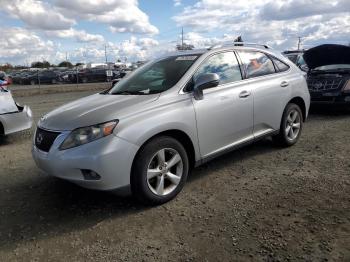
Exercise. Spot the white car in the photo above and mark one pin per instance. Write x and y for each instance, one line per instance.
(13, 117)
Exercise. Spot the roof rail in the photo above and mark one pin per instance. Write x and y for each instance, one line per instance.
(237, 44)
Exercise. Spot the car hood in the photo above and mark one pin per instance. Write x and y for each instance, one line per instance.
(94, 109)
(328, 54)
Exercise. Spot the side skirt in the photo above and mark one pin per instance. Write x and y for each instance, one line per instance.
(235, 147)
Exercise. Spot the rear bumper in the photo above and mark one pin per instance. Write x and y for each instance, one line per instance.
(17, 121)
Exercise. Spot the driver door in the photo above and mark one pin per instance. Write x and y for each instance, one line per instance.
(225, 115)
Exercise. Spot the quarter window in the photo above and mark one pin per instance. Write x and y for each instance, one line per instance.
(280, 66)
(256, 63)
(223, 64)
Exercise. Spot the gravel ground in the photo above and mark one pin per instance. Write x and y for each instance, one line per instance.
(260, 203)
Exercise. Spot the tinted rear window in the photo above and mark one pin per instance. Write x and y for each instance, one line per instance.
(256, 63)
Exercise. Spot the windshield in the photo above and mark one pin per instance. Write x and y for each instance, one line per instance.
(333, 67)
(154, 77)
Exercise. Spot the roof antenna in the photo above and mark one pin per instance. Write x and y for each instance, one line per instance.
(239, 40)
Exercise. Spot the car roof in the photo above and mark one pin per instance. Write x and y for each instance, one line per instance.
(221, 47)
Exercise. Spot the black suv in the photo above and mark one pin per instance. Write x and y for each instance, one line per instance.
(43, 77)
(89, 75)
(329, 73)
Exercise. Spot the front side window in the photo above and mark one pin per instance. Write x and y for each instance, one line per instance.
(155, 77)
(223, 64)
(256, 63)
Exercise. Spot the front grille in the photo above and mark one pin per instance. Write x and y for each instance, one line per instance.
(324, 84)
(44, 139)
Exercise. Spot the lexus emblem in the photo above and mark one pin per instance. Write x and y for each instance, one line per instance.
(39, 139)
(318, 85)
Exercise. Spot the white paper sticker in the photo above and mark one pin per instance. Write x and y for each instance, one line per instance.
(186, 58)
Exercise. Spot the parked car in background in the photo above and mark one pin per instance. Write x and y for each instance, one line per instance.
(13, 117)
(89, 75)
(329, 73)
(170, 115)
(119, 76)
(296, 56)
(42, 77)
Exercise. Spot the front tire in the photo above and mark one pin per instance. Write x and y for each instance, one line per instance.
(291, 126)
(160, 171)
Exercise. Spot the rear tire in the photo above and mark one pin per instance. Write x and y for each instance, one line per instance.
(159, 171)
(291, 126)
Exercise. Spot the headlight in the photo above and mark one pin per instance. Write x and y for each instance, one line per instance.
(347, 86)
(84, 135)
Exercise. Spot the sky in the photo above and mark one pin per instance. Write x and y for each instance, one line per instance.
(132, 30)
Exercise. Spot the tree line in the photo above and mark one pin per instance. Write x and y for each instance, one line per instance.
(39, 64)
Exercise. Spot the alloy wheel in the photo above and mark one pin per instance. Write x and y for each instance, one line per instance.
(293, 125)
(164, 171)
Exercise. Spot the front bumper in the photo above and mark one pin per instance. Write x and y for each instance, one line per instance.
(111, 157)
(330, 97)
(17, 121)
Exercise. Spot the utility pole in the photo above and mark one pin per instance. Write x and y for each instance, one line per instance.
(106, 53)
(299, 42)
(66, 56)
(182, 37)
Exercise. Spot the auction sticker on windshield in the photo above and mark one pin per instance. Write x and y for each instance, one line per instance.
(186, 58)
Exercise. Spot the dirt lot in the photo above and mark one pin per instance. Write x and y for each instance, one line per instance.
(258, 203)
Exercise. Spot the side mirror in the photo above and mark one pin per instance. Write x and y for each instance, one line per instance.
(204, 81)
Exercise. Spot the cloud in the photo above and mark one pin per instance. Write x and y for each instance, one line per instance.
(277, 23)
(80, 35)
(135, 49)
(120, 15)
(19, 45)
(23, 46)
(37, 14)
(278, 10)
(177, 3)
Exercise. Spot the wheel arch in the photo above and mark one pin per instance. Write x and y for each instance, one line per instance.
(301, 103)
(180, 136)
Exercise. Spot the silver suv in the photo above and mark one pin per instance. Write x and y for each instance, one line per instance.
(170, 115)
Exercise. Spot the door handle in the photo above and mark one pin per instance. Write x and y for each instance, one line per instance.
(244, 94)
(284, 84)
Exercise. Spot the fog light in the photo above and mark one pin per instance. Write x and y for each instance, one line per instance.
(90, 175)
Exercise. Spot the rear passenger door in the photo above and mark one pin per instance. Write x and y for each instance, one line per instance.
(270, 88)
(225, 115)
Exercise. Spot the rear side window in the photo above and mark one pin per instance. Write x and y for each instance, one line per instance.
(223, 64)
(256, 63)
(280, 66)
